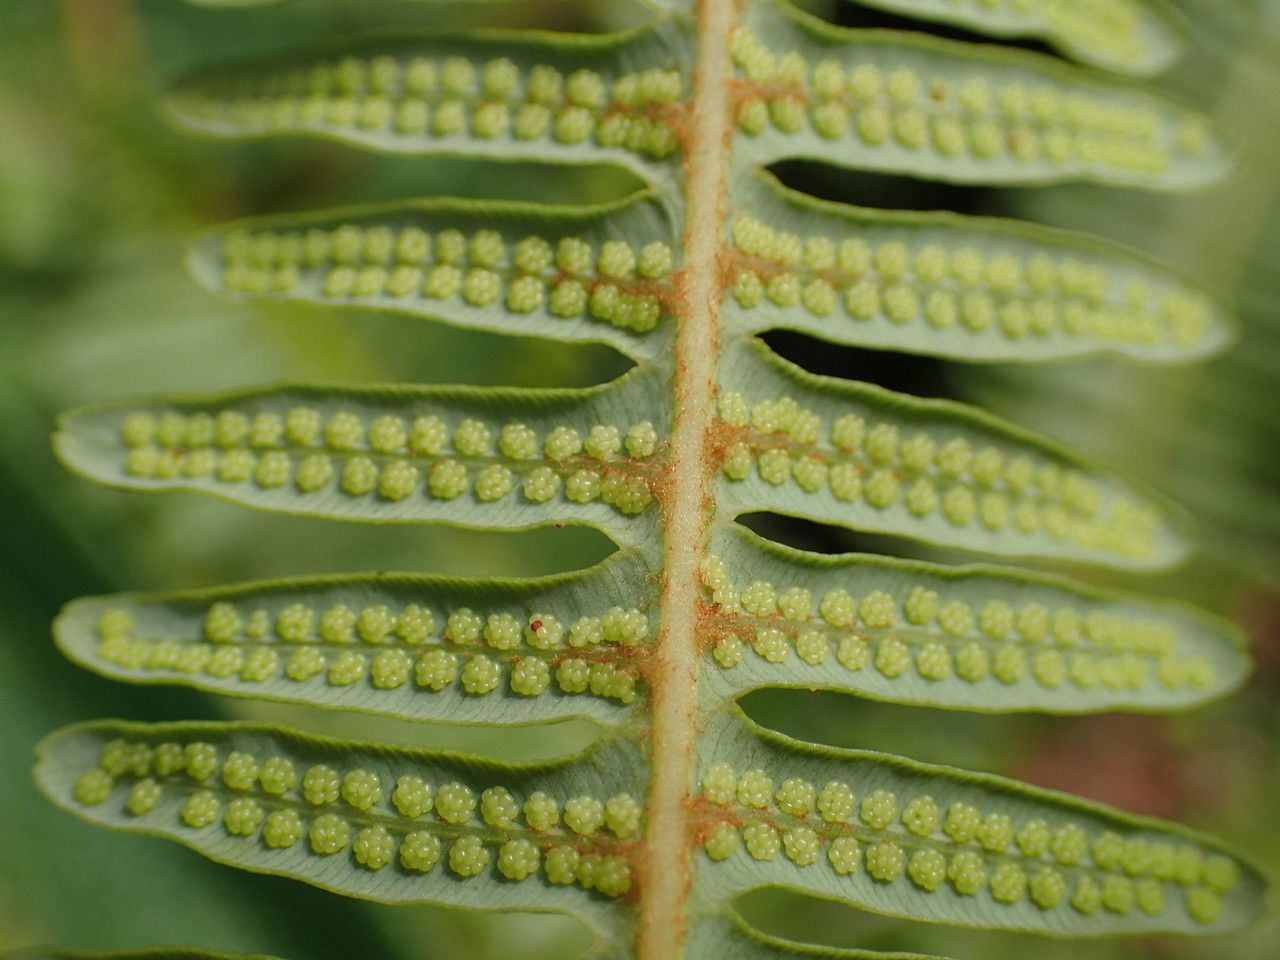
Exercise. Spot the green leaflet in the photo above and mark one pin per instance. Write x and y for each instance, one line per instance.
(962, 287)
(1130, 36)
(411, 647)
(906, 839)
(864, 457)
(380, 823)
(910, 104)
(972, 638)
(726, 936)
(565, 273)
(528, 95)
(501, 458)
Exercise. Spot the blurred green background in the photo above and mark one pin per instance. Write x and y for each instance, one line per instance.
(97, 197)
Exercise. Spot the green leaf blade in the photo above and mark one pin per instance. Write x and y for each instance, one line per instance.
(910, 104)
(968, 638)
(1128, 36)
(369, 821)
(855, 455)
(965, 288)
(557, 98)
(695, 113)
(409, 647)
(941, 845)
(726, 935)
(600, 274)
(492, 458)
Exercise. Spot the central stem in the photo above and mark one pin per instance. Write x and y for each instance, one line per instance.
(664, 873)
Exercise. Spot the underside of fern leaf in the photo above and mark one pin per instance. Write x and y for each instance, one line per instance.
(683, 804)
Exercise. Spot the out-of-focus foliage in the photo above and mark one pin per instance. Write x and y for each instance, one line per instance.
(97, 198)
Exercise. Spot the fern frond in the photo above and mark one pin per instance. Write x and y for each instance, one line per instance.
(387, 824)
(683, 804)
(416, 648)
(565, 273)
(911, 104)
(480, 457)
(908, 839)
(970, 638)
(965, 288)
(505, 95)
(1128, 36)
(724, 934)
(863, 457)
